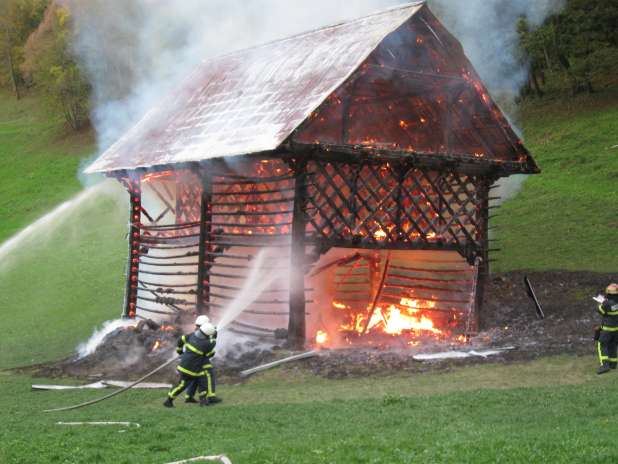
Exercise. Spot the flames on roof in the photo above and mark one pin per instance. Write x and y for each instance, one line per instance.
(395, 80)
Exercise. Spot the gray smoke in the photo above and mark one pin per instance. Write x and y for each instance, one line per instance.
(488, 31)
(135, 52)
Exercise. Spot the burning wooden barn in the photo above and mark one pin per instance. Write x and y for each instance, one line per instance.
(364, 154)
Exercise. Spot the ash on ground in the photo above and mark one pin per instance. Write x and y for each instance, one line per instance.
(510, 318)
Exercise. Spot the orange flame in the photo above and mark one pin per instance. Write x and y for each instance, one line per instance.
(380, 234)
(156, 345)
(321, 337)
(396, 319)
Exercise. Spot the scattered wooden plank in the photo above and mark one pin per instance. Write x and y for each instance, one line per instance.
(263, 367)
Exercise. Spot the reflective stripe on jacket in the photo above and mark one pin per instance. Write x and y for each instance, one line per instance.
(609, 310)
(197, 351)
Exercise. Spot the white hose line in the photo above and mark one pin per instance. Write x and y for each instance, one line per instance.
(223, 459)
(296, 357)
(118, 392)
(126, 424)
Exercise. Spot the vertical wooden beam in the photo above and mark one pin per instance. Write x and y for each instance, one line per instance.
(345, 120)
(203, 273)
(130, 296)
(297, 325)
(483, 254)
(402, 173)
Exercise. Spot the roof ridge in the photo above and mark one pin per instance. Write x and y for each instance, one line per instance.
(319, 29)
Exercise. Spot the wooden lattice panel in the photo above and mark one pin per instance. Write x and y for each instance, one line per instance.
(388, 203)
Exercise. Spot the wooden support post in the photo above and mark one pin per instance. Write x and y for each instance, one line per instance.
(403, 172)
(296, 325)
(483, 235)
(130, 296)
(205, 247)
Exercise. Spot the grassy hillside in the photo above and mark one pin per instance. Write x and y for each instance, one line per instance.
(567, 217)
(548, 411)
(68, 277)
(39, 160)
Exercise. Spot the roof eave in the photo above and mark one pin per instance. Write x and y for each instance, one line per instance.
(460, 163)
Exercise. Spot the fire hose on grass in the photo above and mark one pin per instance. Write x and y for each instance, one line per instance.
(117, 392)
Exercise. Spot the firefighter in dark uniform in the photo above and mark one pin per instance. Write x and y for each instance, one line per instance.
(607, 344)
(195, 365)
(191, 387)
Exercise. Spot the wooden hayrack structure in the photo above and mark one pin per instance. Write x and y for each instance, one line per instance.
(372, 134)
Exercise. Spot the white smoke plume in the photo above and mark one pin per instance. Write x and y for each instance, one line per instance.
(134, 52)
(488, 31)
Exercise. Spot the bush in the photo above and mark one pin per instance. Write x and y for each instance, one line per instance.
(49, 64)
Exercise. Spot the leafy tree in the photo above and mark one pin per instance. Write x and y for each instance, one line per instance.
(579, 45)
(18, 19)
(49, 64)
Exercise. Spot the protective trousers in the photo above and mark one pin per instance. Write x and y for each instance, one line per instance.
(200, 382)
(210, 381)
(607, 348)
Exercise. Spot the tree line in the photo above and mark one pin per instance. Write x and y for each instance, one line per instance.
(571, 52)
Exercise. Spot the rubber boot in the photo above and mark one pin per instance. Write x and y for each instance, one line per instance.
(190, 400)
(603, 369)
(214, 400)
(613, 365)
(204, 401)
(168, 403)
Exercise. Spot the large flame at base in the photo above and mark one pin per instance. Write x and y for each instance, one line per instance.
(405, 318)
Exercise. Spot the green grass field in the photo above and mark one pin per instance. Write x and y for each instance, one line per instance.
(565, 218)
(39, 160)
(554, 410)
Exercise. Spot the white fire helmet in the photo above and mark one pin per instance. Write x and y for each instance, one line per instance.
(208, 329)
(203, 319)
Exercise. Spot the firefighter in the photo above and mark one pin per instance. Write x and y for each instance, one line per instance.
(191, 387)
(607, 344)
(195, 366)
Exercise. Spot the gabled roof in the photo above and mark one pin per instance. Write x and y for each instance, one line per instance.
(394, 84)
(252, 100)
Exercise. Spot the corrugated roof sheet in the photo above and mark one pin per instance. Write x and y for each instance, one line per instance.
(251, 100)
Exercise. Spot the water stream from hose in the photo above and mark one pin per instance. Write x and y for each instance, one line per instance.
(44, 227)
